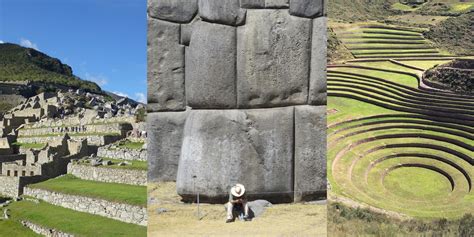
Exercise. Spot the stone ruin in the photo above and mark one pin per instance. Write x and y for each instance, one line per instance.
(456, 75)
(237, 93)
(71, 124)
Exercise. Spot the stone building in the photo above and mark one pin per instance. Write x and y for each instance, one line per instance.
(237, 93)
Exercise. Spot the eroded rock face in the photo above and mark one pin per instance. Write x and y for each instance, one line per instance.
(165, 67)
(273, 55)
(210, 70)
(180, 11)
(310, 152)
(165, 135)
(306, 8)
(224, 147)
(226, 12)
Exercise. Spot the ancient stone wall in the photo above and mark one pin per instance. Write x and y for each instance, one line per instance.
(93, 140)
(122, 153)
(237, 93)
(118, 211)
(118, 128)
(10, 186)
(108, 175)
(44, 231)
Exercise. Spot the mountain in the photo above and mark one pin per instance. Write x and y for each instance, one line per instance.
(20, 64)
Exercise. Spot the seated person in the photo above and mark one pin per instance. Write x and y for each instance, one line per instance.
(237, 199)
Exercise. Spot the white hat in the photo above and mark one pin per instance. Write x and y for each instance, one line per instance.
(238, 190)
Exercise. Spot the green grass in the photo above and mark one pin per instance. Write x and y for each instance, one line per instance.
(131, 145)
(356, 173)
(69, 221)
(403, 7)
(29, 145)
(419, 183)
(22, 64)
(12, 227)
(135, 164)
(122, 193)
(426, 64)
(462, 7)
(344, 220)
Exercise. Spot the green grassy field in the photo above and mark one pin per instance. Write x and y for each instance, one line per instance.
(66, 220)
(131, 145)
(135, 164)
(122, 193)
(29, 145)
(396, 147)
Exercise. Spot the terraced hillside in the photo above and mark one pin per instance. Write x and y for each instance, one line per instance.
(374, 40)
(394, 143)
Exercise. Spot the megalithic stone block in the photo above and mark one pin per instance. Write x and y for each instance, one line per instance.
(276, 4)
(318, 80)
(165, 136)
(179, 11)
(307, 8)
(226, 12)
(224, 147)
(310, 152)
(273, 56)
(252, 4)
(210, 66)
(187, 31)
(165, 67)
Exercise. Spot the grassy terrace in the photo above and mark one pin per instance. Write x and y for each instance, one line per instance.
(71, 134)
(73, 222)
(386, 41)
(396, 147)
(135, 164)
(29, 145)
(121, 193)
(131, 145)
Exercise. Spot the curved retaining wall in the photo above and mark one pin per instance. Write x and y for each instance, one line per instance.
(122, 153)
(44, 231)
(118, 211)
(108, 175)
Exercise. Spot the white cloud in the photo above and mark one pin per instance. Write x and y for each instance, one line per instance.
(27, 43)
(2, 42)
(140, 97)
(101, 80)
(121, 94)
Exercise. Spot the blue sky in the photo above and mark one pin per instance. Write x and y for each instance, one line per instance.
(102, 40)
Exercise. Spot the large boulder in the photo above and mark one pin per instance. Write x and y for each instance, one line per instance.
(165, 67)
(224, 147)
(226, 12)
(165, 135)
(180, 11)
(276, 4)
(307, 8)
(273, 57)
(252, 3)
(310, 152)
(210, 66)
(317, 80)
